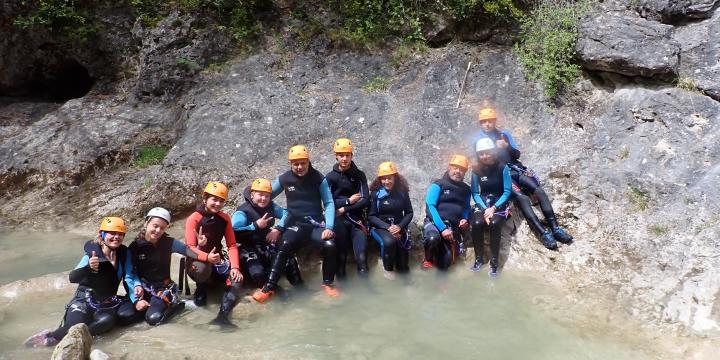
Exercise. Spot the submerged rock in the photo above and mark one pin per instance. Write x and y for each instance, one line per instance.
(98, 354)
(75, 345)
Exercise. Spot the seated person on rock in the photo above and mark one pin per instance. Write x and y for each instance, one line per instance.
(311, 216)
(104, 265)
(157, 296)
(205, 229)
(447, 207)
(490, 184)
(525, 182)
(390, 214)
(257, 233)
(350, 191)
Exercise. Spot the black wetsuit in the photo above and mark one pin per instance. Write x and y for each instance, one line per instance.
(95, 302)
(351, 227)
(151, 264)
(447, 202)
(311, 211)
(386, 209)
(490, 187)
(255, 253)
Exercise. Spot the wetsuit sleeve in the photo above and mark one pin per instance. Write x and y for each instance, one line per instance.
(191, 228)
(507, 187)
(240, 223)
(431, 200)
(328, 203)
(80, 271)
(231, 244)
(281, 214)
(513, 150)
(475, 190)
(408, 212)
(373, 218)
(131, 279)
(466, 210)
(365, 196)
(179, 248)
(276, 188)
(339, 200)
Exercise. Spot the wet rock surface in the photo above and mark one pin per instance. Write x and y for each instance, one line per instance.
(75, 345)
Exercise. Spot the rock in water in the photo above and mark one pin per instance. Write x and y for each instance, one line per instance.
(75, 345)
(98, 354)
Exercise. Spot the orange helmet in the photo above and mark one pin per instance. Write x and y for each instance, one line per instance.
(261, 185)
(298, 152)
(387, 168)
(343, 146)
(112, 223)
(487, 114)
(460, 160)
(218, 189)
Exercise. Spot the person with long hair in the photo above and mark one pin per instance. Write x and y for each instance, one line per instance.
(104, 265)
(390, 214)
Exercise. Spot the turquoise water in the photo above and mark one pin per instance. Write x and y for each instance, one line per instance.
(424, 316)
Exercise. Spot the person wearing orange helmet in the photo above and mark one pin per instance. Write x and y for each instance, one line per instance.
(257, 232)
(352, 197)
(390, 214)
(105, 264)
(310, 221)
(526, 183)
(158, 299)
(204, 231)
(447, 206)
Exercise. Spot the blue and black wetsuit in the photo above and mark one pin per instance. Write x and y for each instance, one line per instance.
(310, 211)
(491, 186)
(350, 227)
(95, 302)
(151, 264)
(525, 187)
(447, 202)
(255, 253)
(389, 208)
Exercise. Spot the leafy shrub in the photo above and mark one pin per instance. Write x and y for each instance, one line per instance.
(60, 17)
(547, 44)
(150, 155)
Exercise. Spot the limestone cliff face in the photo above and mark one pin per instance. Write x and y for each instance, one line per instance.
(630, 160)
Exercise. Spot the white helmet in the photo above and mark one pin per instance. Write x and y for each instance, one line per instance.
(484, 144)
(158, 212)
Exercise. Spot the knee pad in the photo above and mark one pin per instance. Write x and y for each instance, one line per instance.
(432, 240)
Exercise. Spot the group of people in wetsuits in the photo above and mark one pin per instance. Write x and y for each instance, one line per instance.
(334, 213)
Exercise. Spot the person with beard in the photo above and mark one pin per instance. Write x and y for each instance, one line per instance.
(390, 214)
(98, 274)
(310, 221)
(157, 298)
(257, 233)
(491, 187)
(204, 231)
(352, 197)
(447, 206)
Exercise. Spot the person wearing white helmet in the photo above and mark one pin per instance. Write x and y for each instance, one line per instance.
(156, 296)
(104, 265)
(526, 184)
(490, 186)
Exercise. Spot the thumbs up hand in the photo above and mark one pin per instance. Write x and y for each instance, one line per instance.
(94, 262)
(214, 257)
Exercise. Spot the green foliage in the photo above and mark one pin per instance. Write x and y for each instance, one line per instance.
(188, 64)
(377, 84)
(305, 26)
(547, 44)
(150, 155)
(405, 51)
(60, 17)
(687, 84)
(639, 199)
(658, 230)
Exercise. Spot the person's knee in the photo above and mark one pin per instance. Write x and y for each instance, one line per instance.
(126, 313)
(103, 323)
(329, 247)
(199, 271)
(431, 239)
(540, 193)
(477, 221)
(153, 317)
